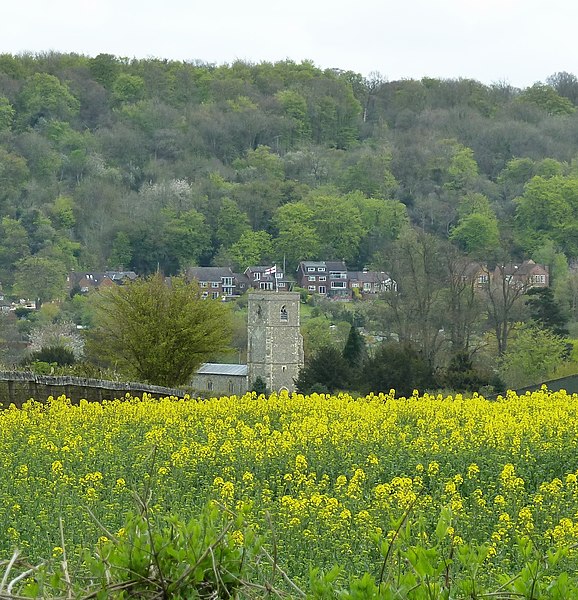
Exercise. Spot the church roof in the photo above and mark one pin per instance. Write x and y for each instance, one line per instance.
(223, 369)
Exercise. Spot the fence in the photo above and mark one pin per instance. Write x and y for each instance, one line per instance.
(16, 387)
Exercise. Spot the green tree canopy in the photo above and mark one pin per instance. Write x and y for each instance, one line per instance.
(532, 356)
(159, 332)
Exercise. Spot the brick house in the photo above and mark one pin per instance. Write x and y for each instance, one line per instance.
(327, 278)
(268, 278)
(527, 274)
(218, 282)
(333, 280)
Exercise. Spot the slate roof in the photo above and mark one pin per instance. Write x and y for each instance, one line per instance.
(223, 369)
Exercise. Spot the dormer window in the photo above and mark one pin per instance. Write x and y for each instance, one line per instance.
(283, 314)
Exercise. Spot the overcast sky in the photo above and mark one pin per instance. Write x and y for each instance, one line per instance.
(514, 41)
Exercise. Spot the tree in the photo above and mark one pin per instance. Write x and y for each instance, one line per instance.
(503, 297)
(415, 305)
(533, 354)
(326, 371)
(355, 350)
(546, 97)
(43, 96)
(546, 312)
(252, 248)
(6, 114)
(397, 366)
(159, 332)
(39, 278)
(477, 234)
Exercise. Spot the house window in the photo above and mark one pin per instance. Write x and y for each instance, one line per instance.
(311, 278)
(283, 314)
(231, 386)
(256, 276)
(367, 287)
(203, 284)
(266, 285)
(281, 284)
(322, 289)
(311, 269)
(322, 277)
(210, 385)
(214, 284)
(227, 281)
(337, 285)
(338, 275)
(539, 278)
(311, 288)
(214, 295)
(483, 278)
(204, 295)
(321, 269)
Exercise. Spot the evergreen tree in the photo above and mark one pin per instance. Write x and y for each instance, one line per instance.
(397, 366)
(327, 371)
(546, 312)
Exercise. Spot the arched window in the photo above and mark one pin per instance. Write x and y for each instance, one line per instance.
(284, 315)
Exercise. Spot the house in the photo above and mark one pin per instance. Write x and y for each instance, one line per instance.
(527, 274)
(268, 278)
(86, 281)
(4, 305)
(333, 280)
(218, 282)
(370, 282)
(328, 278)
(477, 273)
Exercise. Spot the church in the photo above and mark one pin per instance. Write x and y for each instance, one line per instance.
(274, 349)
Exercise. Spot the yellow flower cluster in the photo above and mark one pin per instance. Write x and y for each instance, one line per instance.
(325, 473)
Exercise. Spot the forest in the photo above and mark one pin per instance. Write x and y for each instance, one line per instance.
(157, 165)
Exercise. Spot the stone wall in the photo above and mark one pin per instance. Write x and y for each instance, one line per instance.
(17, 387)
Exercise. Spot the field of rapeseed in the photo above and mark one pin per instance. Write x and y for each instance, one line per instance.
(324, 480)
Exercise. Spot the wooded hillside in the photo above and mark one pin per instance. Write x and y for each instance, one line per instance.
(143, 163)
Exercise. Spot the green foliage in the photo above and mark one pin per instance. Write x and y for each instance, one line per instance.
(7, 113)
(252, 248)
(461, 375)
(326, 371)
(546, 312)
(39, 278)
(159, 332)
(127, 88)
(259, 386)
(545, 97)
(533, 354)
(399, 367)
(478, 235)
(355, 350)
(58, 355)
(157, 164)
(45, 97)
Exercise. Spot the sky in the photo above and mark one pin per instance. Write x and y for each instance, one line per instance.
(519, 42)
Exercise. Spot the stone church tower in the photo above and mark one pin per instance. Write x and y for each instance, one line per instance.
(275, 345)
